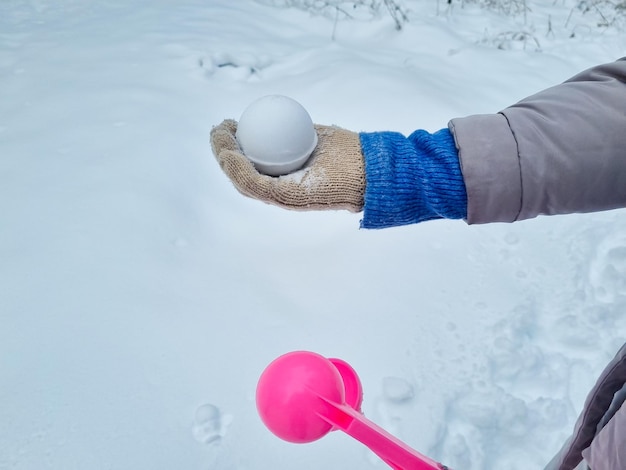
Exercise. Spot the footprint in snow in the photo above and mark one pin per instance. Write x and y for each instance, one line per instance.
(241, 66)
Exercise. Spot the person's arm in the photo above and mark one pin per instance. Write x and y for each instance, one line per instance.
(395, 180)
(559, 151)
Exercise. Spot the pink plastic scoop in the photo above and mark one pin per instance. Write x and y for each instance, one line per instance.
(302, 396)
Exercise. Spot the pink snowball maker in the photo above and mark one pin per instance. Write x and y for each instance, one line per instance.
(302, 396)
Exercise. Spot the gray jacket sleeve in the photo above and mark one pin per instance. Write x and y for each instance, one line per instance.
(560, 151)
(600, 431)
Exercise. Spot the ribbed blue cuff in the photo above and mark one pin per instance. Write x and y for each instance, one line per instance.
(411, 179)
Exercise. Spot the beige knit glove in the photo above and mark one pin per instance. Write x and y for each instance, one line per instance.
(332, 178)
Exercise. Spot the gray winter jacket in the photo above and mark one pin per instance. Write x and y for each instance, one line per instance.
(560, 151)
(600, 432)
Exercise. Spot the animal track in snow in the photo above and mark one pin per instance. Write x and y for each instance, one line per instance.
(234, 66)
(210, 424)
(607, 272)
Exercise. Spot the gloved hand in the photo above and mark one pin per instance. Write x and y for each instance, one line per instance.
(332, 178)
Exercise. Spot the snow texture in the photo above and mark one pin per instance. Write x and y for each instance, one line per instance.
(141, 295)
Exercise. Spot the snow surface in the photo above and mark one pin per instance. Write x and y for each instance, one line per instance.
(141, 296)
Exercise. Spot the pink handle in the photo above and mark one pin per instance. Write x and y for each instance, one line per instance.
(302, 396)
(389, 448)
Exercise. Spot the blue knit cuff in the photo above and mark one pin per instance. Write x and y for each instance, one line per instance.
(411, 180)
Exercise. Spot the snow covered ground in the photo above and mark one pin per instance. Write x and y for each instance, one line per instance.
(141, 296)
